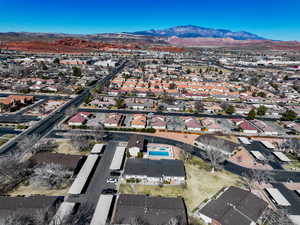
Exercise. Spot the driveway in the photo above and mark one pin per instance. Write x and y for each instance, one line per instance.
(257, 146)
(97, 181)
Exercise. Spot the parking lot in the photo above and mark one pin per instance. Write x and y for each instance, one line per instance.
(271, 159)
(98, 181)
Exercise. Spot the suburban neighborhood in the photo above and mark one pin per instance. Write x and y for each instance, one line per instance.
(149, 128)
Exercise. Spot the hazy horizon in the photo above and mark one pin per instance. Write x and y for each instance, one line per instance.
(276, 21)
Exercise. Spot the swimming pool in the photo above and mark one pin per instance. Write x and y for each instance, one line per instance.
(158, 153)
(159, 148)
(164, 148)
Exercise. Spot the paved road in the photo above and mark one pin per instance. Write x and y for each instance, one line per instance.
(13, 118)
(97, 181)
(45, 125)
(4, 130)
(124, 111)
(276, 174)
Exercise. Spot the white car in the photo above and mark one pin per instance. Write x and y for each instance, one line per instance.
(111, 180)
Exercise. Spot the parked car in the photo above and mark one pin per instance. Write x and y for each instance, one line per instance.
(111, 180)
(109, 191)
(115, 174)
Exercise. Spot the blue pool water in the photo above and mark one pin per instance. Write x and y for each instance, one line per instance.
(157, 153)
(163, 149)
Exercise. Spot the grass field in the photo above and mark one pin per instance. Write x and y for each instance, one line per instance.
(201, 184)
(29, 190)
(65, 147)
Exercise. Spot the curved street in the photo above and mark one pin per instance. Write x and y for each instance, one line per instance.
(276, 174)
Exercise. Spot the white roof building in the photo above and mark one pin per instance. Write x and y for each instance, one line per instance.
(282, 157)
(102, 210)
(277, 197)
(258, 155)
(83, 175)
(118, 158)
(97, 148)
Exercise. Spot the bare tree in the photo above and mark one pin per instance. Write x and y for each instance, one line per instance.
(51, 176)
(99, 133)
(41, 109)
(283, 145)
(256, 176)
(12, 172)
(80, 142)
(46, 146)
(70, 111)
(186, 156)
(83, 216)
(17, 219)
(294, 146)
(215, 157)
(28, 145)
(277, 217)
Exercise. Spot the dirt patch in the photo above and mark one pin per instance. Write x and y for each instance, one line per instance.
(65, 147)
(29, 190)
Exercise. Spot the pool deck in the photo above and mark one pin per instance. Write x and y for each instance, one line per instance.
(159, 148)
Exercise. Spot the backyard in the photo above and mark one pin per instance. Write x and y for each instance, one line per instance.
(201, 184)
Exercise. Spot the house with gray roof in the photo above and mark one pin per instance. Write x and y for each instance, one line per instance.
(143, 209)
(148, 171)
(27, 206)
(234, 206)
(228, 148)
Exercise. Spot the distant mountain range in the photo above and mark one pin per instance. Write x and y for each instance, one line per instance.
(191, 31)
(171, 39)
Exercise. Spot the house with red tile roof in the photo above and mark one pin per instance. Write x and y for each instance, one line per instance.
(113, 120)
(192, 124)
(246, 127)
(14, 102)
(158, 122)
(79, 119)
(139, 121)
(211, 125)
(264, 128)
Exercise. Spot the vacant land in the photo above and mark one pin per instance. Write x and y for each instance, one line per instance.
(30, 190)
(201, 184)
(65, 147)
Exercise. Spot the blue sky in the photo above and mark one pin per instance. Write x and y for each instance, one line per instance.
(275, 19)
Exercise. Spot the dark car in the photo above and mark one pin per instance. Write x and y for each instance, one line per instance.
(115, 174)
(109, 191)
